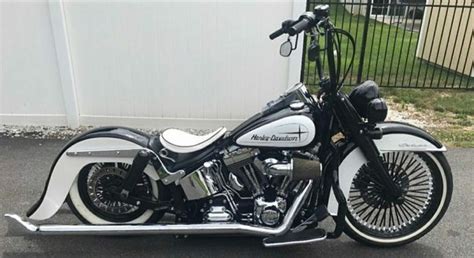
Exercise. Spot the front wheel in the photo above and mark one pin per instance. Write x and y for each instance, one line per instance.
(426, 181)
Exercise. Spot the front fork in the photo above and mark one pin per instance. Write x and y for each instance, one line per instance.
(362, 135)
(351, 122)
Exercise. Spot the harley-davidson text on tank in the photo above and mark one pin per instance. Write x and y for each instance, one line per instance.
(291, 131)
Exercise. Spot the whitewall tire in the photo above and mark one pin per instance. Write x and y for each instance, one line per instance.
(77, 202)
(361, 227)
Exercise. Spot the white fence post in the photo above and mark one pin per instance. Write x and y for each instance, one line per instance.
(61, 40)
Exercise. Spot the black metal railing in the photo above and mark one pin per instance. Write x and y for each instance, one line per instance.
(405, 43)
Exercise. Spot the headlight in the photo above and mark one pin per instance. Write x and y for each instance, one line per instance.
(362, 95)
(376, 110)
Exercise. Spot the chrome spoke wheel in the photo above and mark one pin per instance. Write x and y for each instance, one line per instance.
(94, 198)
(102, 179)
(370, 207)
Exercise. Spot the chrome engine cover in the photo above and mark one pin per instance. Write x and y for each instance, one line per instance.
(218, 214)
(253, 187)
(200, 183)
(269, 213)
(297, 168)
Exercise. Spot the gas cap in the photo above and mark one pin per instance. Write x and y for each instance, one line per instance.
(297, 105)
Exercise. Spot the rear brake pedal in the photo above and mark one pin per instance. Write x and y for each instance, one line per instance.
(295, 238)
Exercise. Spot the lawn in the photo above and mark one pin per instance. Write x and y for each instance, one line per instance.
(389, 55)
(449, 114)
(390, 61)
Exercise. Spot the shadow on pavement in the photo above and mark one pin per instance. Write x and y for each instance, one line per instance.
(201, 246)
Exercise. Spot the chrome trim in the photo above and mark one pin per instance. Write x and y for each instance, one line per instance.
(235, 183)
(250, 173)
(165, 175)
(104, 153)
(284, 185)
(198, 184)
(295, 242)
(263, 208)
(297, 105)
(21, 227)
(276, 168)
(218, 214)
(124, 229)
(164, 154)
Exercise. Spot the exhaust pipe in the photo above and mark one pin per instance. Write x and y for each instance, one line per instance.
(19, 226)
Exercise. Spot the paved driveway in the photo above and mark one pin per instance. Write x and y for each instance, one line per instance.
(24, 165)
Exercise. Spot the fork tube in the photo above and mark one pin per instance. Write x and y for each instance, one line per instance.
(352, 123)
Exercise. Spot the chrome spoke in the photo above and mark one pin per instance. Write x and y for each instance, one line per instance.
(103, 177)
(367, 200)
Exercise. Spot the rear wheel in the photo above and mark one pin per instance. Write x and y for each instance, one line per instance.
(92, 203)
(426, 182)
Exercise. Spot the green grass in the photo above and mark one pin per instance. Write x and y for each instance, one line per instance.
(389, 55)
(459, 102)
(455, 137)
(450, 112)
(395, 48)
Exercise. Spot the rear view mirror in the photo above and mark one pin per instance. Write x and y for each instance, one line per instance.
(286, 48)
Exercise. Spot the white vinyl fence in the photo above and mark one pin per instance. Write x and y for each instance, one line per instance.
(193, 64)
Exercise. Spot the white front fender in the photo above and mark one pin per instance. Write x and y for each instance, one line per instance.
(68, 167)
(390, 142)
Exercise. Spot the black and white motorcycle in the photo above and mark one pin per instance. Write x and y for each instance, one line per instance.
(277, 175)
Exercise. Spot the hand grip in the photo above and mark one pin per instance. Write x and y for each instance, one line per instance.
(299, 26)
(277, 34)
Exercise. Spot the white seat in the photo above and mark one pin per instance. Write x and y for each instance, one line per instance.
(182, 142)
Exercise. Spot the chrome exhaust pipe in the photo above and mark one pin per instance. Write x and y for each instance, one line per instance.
(14, 221)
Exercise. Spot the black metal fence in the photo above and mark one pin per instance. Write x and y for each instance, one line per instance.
(405, 43)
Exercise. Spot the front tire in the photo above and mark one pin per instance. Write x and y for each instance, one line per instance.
(426, 180)
(89, 201)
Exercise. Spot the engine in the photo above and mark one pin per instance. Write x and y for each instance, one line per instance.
(249, 185)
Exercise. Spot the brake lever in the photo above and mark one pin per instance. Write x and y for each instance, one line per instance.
(296, 42)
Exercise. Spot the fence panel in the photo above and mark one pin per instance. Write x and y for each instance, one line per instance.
(405, 43)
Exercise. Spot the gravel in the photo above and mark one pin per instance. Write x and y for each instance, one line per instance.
(395, 113)
(63, 132)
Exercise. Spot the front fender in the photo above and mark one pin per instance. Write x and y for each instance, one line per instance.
(396, 137)
(66, 166)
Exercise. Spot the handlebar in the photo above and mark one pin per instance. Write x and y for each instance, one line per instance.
(285, 26)
(304, 22)
(277, 34)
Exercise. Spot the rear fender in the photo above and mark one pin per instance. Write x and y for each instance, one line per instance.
(396, 137)
(113, 143)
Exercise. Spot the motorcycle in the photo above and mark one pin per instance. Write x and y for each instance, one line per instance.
(277, 175)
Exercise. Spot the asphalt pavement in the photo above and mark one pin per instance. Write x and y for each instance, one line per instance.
(24, 166)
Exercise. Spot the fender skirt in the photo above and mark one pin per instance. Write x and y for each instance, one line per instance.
(396, 137)
(110, 141)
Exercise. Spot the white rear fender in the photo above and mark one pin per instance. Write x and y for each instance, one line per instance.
(397, 137)
(70, 162)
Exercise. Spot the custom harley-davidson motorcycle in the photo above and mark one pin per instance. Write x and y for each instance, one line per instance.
(277, 175)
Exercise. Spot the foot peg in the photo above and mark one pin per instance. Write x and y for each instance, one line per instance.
(295, 238)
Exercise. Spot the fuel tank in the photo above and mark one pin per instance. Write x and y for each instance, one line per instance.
(286, 128)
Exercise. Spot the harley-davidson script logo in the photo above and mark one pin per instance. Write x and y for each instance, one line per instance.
(292, 136)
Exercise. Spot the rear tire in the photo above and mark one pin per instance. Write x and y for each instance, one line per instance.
(90, 205)
(400, 232)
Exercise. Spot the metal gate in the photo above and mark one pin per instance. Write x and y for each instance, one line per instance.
(405, 43)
